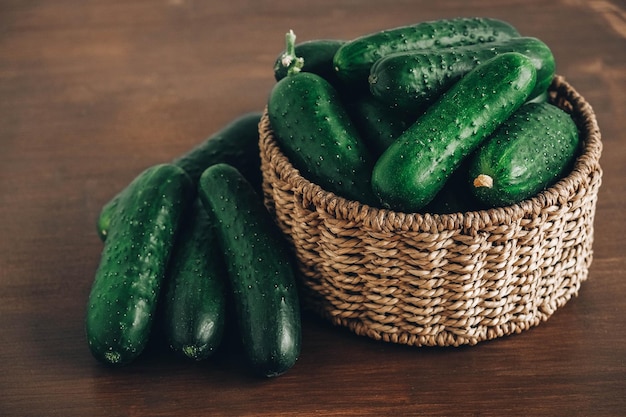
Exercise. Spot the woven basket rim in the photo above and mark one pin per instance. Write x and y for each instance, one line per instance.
(386, 220)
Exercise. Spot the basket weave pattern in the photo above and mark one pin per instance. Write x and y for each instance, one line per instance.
(440, 280)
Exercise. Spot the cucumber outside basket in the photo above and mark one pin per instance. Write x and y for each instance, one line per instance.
(440, 279)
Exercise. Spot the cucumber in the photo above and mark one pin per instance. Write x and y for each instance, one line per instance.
(455, 196)
(415, 167)
(544, 97)
(317, 56)
(313, 128)
(261, 270)
(132, 267)
(377, 123)
(105, 217)
(236, 143)
(353, 60)
(415, 79)
(529, 152)
(195, 306)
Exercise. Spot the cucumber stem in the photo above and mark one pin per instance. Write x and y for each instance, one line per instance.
(483, 180)
(289, 59)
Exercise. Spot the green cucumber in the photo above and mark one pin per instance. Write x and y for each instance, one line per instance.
(106, 215)
(195, 306)
(314, 130)
(377, 123)
(236, 143)
(124, 294)
(261, 270)
(529, 152)
(415, 79)
(543, 97)
(415, 167)
(353, 60)
(455, 196)
(317, 56)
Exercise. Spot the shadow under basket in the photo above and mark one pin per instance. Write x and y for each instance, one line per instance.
(440, 280)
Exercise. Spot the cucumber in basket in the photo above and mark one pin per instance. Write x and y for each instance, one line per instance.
(527, 153)
(317, 57)
(378, 123)
(261, 270)
(313, 128)
(123, 298)
(354, 59)
(415, 167)
(415, 79)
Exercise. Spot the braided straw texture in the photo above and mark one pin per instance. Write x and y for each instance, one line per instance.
(440, 280)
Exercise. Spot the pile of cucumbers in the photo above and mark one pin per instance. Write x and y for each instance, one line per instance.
(184, 241)
(439, 116)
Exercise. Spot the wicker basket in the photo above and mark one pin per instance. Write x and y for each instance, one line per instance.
(440, 280)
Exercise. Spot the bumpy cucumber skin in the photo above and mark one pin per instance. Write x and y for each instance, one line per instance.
(415, 167)
(353, 60)
(415, 79)
(128, 280)
(260, 267)
(378, 124)
(318, 59)
(529, 152)
(316, 133)
(195, 306)
(237, 143)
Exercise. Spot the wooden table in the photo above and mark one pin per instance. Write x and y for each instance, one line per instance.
(93, 92)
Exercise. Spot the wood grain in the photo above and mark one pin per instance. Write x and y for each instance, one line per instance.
(93, 92)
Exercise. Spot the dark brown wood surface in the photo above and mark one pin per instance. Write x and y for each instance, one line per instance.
(92, 92)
